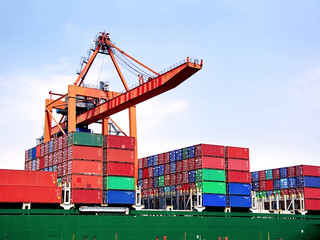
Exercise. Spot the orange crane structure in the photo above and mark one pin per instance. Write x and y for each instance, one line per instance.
(104, 103)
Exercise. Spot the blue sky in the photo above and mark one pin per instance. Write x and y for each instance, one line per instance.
(259, 86)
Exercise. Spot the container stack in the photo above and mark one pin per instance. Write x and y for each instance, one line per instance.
(170, 178)
(238, 177)
(297, 181)
(77, 159)
(118, 170)
(18, 186)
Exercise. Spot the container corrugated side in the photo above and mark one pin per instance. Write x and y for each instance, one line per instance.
(86, 196)
(119, 197)
(214, 200)
(121, 142)
(120, 183)
(85, 139)
(119, 155)
(85, 152)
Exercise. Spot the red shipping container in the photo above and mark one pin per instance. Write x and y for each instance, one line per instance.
(284, 192)
(145, 173)
(120, 142)
(46, 148)
(178, 166)
(307, 170)
(41, 162)
(239, 177)
(238, 164)
(312, 204)
(60, 142)
(269, 185)
(50, 159)
(185, 165)
(86, 196)
(120, 169)
(65, 154)
(150, 171)
(167, 157)
(262, 175)
(262, 186)
(276, 173)
(59, 170)
(120, 155)
(26, 166)
(192, 164)
(27, 178)
(167, 168)
(140, 165)
(167, 180)
(60, 156)
(179, 178)
(185, 187)
(292, 191)
(85, 181)
(310, 192)
(173, 179)
(145, 183)
(64, 168)
(65, 140)
(84, 167)
(161, 157)
(150, 183)
(55, 144)
(42, 150)
(38, 151)
(193, 187)
(156, 192)
(144, 162)
(209, 150)
(237, 152)
(54, 156)
(30, 165)
(291, 171)
(210, 163)
(26, 156)
(30, 194)
(85, 152)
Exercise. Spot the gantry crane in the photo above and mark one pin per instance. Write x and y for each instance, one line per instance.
(100, 104)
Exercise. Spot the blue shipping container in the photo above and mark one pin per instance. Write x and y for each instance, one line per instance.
(283, 172)
(172, 167)
(150, 161)
(140, 174)
(240, 201)
(292, 182)
(269, 193)
(172, 156)
(51, 146)
(192, 176)
(255, 186)
(214, 200)
(255, 176)
(155, 160)
(191, 151)
(276, 184)
(239, 189)
(308, 181)
(30, 154)
(283, 183)
(118, 197)
(140, 182)
(156, 171)
(161, 170)
(178, 154)
(156, 182)
(34, 153)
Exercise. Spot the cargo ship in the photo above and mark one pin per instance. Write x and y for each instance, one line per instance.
(83, 185)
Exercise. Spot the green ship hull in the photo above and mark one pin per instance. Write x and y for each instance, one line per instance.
(60, 224)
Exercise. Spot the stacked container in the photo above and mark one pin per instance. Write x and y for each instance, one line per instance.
(301, 180)
(238, 177)
(118, 170)
(18, 186)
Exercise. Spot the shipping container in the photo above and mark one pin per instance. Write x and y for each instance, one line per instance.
(238, 164)
(255, 176)
(161, 170)
(178, 166)
(209, 150)
(262, 175)
(121, 183)
(269, 174)
(150, 161)
(121, 142)
(210, 162)
(210, 175)
(312, 204)
(307, 170)
(120, 169)
(191, 151)
(27, 178)
(85, 152)
(85, 181)
(192, 164)
(276, 184)
(238, 176)
(212, 187)
(308, 181)
(239, 189)
(214, 200)
(283, 172)
(291, 171)
(240, 201)
(86, 196)
(292, 182)
(309, 192)
(85, 139)
(172, 156)
(120, 155)
(84, 167)
(276, 173)
(237, 152)
(192, 176)
(283, 182)
(30, 194)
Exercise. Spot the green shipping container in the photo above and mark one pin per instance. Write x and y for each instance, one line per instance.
(167, 189)
(269, 174)
(210, 175)
(161, 181)
(118, 183)
(185, 154)
(263, 194)
(212, 187)
(85, 139)
(58, 182)
(277, 192)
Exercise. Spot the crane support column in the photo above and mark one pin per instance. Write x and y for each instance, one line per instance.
(105, 126)
(133, 133)
(71, 109)
(47, 121)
